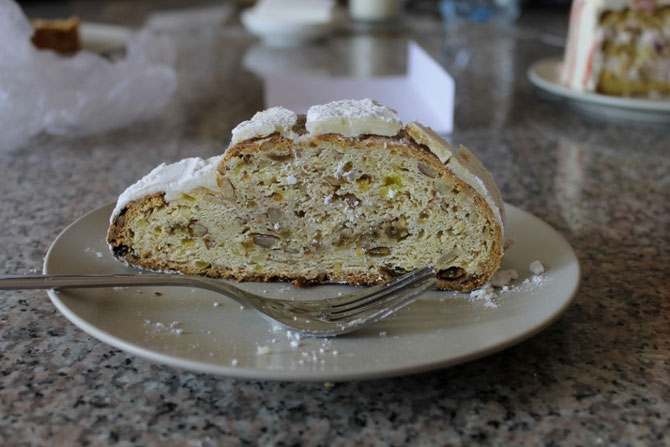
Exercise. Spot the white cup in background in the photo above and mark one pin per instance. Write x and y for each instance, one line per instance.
(374, 10)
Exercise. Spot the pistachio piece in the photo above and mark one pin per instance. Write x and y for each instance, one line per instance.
(202, 265)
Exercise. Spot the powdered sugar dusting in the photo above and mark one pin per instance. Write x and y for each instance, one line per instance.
(160, 328)
(537, 269)
(352, 109)
(172, 179)
(352, 118)
(266, 122)
(486, 295)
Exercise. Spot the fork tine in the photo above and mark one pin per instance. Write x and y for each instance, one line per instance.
(379, 292)
(365, 318)
(322, 318)
(397, 302)
(396, 282)
(379, 301)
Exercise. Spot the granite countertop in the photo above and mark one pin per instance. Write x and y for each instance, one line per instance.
(598, 376)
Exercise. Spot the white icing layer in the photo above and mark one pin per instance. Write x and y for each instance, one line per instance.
(267, 122)
(172, 179)
(352, 118)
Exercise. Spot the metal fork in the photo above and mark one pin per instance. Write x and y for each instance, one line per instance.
(320, 318)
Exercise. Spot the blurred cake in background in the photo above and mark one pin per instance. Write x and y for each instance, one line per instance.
(61, 35)
(619, 47)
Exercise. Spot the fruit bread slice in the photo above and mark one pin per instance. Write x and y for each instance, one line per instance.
(343, 195)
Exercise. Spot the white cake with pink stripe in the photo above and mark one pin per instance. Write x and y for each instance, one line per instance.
(619, 47)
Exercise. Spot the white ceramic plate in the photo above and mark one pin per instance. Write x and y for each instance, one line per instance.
(545, 75)
(101, 37)
(183, 327)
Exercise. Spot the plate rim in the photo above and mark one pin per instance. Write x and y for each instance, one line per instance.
(239, 372)
(535, 76)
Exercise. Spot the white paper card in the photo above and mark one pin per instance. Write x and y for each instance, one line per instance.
(424, 94)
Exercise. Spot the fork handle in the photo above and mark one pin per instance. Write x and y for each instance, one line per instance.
(14, 282)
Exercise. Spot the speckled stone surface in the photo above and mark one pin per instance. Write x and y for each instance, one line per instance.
(598, 376)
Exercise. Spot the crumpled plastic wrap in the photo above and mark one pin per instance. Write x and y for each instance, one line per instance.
(41, 91)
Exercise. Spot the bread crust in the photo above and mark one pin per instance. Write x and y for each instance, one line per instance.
(118, 236)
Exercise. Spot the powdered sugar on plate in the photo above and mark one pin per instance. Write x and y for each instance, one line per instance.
(502, 282)
(307, 350)
(486, 295)
(160, 328)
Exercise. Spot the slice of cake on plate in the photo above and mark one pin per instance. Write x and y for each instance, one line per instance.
(343, 195)
(60, 35)
(619, 47)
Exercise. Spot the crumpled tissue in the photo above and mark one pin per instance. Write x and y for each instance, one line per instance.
(41, 91)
